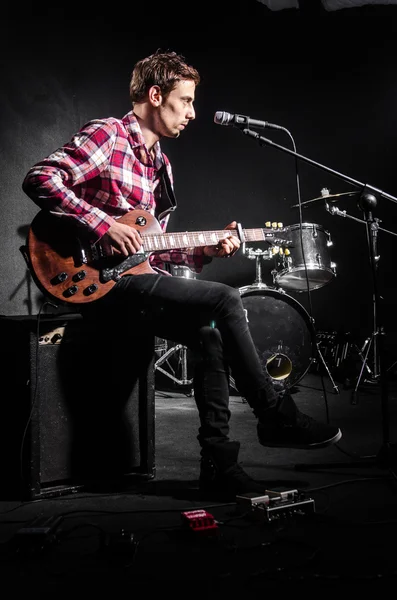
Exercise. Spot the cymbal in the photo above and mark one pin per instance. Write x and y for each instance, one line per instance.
(325, 197)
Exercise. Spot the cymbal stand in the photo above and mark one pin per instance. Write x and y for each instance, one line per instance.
(373, 342)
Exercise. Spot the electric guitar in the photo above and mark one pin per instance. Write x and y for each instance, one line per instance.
(71, 271)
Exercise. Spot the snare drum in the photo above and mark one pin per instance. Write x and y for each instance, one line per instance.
(311, 254)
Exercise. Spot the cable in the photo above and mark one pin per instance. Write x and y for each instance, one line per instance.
(310, 311)
(34, 395)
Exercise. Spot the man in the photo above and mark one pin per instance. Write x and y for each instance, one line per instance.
(114, 166)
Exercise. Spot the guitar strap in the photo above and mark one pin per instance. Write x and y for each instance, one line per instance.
(167, 201)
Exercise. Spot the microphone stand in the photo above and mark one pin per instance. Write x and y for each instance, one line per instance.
(387, 454)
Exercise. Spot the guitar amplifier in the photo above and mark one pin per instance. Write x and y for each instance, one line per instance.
(79, 408)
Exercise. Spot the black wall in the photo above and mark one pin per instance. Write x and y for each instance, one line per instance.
(330, 81)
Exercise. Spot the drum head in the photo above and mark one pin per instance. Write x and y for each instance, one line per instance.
(282, 332)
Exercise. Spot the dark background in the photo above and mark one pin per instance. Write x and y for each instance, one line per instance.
(327, 77)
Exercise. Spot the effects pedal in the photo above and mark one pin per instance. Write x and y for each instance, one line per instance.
(276, 505)
(36, 536)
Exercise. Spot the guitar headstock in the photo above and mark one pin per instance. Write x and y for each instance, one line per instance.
(279, 245)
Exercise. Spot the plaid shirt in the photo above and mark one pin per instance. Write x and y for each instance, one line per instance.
(105, 171)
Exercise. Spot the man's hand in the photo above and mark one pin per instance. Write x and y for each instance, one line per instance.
(124, 238)
(226, 247)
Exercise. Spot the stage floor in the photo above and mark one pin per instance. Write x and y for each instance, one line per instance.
(340, 528)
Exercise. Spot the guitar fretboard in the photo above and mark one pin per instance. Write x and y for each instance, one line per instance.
(169, 241)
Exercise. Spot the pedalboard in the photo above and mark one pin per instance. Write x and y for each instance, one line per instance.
(276, 505)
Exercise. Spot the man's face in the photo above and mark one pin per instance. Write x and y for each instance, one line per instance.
(176, 110)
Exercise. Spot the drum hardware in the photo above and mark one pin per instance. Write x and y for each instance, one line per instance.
(258, 254)
(180, 350)
(374, 341)
(344, 355)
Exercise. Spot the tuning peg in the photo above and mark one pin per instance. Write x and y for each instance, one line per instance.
(275, 249)
(287, 252)
(280, 225)
(268, 224)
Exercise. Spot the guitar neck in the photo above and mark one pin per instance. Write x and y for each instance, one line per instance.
(172, 241)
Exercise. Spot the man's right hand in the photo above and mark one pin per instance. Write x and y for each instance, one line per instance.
(124, 238)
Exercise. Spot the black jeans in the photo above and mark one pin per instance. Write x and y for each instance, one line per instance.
(209, 319)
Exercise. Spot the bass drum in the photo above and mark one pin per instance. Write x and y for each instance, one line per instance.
(283, 334)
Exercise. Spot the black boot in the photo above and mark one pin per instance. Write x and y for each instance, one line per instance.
(285, 426)
(222, 476)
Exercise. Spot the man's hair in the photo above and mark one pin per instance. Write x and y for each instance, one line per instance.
(164, 69)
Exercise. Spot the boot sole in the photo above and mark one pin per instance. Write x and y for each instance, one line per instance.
(313, 446)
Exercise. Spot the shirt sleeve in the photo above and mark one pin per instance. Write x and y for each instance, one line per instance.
(54, 182)
(189, 257)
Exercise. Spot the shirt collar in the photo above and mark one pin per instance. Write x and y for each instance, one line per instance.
(137, 141)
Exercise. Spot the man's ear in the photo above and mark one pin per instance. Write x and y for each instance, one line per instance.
(155, 96)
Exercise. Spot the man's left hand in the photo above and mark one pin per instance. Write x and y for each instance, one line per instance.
(226, 247)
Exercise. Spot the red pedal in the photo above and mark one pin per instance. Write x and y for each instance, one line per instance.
(199, 521)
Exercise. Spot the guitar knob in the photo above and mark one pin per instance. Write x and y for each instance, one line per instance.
(90, 289)
(79, 276)
(71, 291)
(59, 278)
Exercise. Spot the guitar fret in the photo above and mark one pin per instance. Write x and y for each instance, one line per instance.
(254, 235)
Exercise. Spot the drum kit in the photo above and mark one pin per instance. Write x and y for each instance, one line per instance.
(281, 328)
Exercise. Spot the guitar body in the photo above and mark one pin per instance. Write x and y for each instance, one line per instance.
(71, 271)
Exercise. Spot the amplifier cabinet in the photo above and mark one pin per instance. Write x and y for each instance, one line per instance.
(77, 407)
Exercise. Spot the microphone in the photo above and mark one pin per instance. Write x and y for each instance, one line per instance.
(241, 121)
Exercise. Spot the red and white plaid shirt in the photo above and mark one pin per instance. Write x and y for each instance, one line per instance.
(105, 171)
